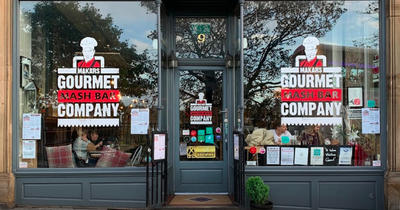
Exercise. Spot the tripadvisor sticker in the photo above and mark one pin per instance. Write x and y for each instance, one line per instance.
(186, 139)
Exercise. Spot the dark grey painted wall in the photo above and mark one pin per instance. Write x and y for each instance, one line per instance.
(122, 188)
(312, 188)
(322, 188)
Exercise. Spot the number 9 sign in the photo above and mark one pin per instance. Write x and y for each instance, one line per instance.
(201, 38)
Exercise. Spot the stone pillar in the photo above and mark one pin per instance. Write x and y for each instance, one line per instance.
(7, 188)
(392, 179)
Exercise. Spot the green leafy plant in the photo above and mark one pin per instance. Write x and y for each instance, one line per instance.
(257, 190)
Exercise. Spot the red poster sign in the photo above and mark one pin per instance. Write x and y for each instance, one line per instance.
(311, 95)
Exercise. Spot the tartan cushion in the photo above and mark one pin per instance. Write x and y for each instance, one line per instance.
(106, 157)
(120, 159)
(60, 157)
(112, 158)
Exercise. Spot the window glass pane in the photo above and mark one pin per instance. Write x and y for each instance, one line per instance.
(88, 72)
(312, 78)
(200, 37)
(200, 101)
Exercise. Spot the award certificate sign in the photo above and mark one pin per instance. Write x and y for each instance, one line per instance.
(287, 156)
(345, 154)
(301, 156)
(272, 155)
(317, 156)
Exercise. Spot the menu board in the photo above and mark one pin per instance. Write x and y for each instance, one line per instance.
(139, 121)
(31, 126)
(28, 149)
(159, 146)
(370, 121)
(236, 146)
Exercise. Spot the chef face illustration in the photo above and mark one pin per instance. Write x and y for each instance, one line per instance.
(88, 45)
(310, 47)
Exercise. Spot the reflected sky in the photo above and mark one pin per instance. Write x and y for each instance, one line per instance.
(352, 22)
(135, 21)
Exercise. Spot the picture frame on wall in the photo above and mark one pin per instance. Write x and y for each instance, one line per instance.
(355, 96)
(25, 72)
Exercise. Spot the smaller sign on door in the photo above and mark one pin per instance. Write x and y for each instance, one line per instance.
(201, 111)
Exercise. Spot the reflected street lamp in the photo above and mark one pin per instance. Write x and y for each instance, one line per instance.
(173, 60)
(228, 60)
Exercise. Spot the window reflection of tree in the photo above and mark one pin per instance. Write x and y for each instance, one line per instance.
(57, 28)
(187, 45)
(194, 82)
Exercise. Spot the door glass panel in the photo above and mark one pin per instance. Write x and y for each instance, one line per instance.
(200, 100)
(200, 37)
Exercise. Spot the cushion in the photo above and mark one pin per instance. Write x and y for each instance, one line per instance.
(60, 157)
(112, 158)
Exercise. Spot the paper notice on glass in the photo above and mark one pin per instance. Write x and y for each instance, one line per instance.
(301, 156)
(139, 121)
(28, 149)
(370, 121)
(183, 148)
(273, 155)
(287, 155)
(23, 165)
(317, 156)
(31, 126)
(159, 147)
(345, 154)
(236, 146)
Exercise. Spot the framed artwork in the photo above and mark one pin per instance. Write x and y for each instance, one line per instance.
(355, 96)
(25, 74)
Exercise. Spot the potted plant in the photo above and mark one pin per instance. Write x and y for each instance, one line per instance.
(259, 193)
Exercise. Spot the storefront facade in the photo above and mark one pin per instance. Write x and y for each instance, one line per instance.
(79, 70)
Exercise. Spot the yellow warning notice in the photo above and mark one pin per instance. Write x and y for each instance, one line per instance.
(201, 152)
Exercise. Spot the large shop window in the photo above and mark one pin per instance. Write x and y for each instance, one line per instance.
(87, 88)
(312, 83)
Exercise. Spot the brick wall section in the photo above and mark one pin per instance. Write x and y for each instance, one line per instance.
(6, 175)
(392, 179)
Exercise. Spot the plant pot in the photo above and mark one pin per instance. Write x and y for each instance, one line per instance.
(267, 206)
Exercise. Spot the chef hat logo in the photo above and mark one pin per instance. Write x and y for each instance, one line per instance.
(310, 42)
(88, 42)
